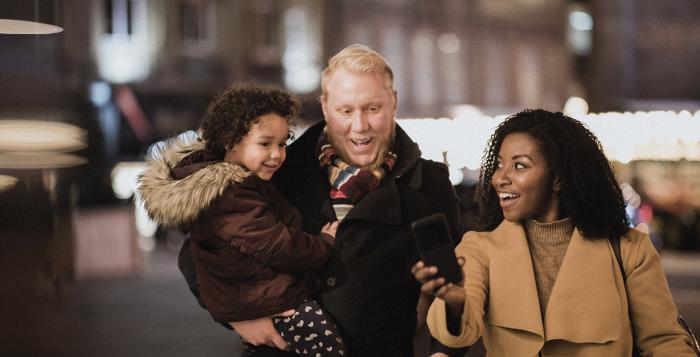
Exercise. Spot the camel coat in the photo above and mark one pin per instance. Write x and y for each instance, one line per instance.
(587, 312)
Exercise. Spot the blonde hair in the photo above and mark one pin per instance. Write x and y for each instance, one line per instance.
(360, 59)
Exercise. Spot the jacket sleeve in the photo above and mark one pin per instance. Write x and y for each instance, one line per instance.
(251, 226)
(654, 314)
(476, 283)
(441, 189)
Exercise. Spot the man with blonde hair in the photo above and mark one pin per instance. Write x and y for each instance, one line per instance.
(359, 167)
(359, 59)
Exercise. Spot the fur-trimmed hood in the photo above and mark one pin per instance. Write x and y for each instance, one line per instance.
(178, 201)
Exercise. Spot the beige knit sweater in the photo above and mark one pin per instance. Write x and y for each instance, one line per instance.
(548, 243)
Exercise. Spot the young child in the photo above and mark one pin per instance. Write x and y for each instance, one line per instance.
(249, 250)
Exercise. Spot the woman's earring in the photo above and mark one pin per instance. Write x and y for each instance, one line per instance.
(228, 148)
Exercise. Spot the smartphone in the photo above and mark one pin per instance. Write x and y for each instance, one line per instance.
(434, 243)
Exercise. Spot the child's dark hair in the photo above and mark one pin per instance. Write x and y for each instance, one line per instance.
(590, 195)
(231, 114)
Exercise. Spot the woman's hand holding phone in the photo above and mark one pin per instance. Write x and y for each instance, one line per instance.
(452, 294)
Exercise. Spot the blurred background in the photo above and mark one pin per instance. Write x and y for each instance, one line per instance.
(85, 273)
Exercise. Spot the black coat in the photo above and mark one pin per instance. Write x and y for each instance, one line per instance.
(367, 285)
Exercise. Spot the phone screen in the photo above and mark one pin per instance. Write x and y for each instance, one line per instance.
(435, 246)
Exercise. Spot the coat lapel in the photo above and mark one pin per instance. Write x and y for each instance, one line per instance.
(513, 299)
(381, 205)
(584, 305)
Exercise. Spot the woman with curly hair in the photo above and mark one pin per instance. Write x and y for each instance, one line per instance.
(249, 251)
(542, 278)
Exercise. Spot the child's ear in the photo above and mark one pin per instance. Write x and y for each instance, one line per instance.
(556, 186)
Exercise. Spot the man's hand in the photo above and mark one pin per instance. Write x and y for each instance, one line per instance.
(261, 331)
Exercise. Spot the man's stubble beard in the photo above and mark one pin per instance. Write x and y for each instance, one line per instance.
(378, 161)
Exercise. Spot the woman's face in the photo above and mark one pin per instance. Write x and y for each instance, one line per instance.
(523, 181)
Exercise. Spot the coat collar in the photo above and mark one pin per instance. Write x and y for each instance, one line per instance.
(584, 305)
(513, 299)
(178, 199)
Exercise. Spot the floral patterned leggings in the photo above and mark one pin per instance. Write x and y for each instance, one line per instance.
(309, 332)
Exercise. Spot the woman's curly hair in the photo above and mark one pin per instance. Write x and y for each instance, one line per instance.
(231, 114)
(589, 195)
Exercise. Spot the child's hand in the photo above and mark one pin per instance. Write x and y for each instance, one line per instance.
(330, 228)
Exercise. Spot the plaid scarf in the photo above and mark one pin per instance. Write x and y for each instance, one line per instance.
(349, 183)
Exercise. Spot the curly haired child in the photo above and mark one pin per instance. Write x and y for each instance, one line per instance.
(251, 257)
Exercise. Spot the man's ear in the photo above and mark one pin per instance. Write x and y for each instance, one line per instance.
(556, 186)
(322, 99)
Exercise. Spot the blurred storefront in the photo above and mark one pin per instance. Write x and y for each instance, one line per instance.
(132, 72)
(124, 74)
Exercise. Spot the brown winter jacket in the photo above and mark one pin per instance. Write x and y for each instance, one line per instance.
(248, 246)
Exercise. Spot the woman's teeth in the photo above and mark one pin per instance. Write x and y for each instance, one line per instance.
(507, 195)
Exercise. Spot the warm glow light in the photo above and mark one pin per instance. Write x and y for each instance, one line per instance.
(19, 27)
(7, 182)
(125, 178)
(124, 183)
(145, 226)
(656, 135)
(301, 52)
(123, 59)
(575, 106)
(31, 136)
(39, 161)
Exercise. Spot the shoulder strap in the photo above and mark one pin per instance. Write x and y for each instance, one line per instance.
(615, 242)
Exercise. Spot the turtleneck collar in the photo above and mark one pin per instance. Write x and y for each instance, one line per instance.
(554, 232)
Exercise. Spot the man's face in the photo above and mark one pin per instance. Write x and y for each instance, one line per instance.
(359, 112)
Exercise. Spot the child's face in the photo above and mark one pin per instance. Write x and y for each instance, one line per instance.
(263, 149)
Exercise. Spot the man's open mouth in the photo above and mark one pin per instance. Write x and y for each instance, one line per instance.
(361, 142)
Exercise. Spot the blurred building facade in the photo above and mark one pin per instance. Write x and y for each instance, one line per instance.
(175, 55)
(500, 55)
(131, 72)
